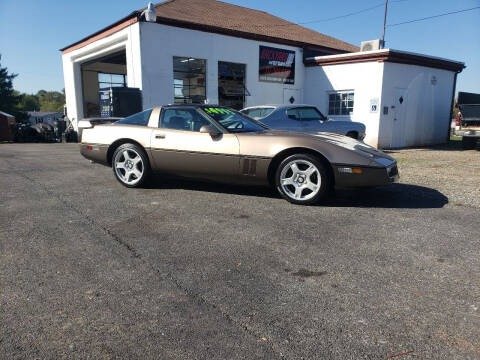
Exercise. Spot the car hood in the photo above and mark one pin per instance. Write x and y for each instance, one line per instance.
(334, 139)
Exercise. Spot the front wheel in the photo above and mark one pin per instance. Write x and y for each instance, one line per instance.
(130, 165)
(302, 179)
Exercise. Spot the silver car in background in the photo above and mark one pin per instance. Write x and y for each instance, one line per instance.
(303, 118)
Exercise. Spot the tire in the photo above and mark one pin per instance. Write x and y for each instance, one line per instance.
(130, 165)
(468, 143)
(352, 134)
(302, 179)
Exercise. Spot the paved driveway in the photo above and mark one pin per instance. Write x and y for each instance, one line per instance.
(184, 270)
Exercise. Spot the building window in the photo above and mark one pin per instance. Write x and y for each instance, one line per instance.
(340, 103)
(111, 80)
(189, 80)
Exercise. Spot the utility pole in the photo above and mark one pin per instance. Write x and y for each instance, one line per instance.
(384, 23)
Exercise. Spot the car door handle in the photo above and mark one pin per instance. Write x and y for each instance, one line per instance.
(159, 136)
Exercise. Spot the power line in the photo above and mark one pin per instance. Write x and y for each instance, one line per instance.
(342, 16)
(434, 16)
(327, 19)
(349, 14)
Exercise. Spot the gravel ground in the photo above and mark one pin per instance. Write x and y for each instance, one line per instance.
(448, 169)
(186, 270)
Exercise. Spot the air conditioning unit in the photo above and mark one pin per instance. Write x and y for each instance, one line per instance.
(371, 45)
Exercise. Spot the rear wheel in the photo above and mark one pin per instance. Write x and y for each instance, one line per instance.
(130, 165)
(302, 179)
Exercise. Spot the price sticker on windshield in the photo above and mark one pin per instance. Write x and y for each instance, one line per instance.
(214, 110)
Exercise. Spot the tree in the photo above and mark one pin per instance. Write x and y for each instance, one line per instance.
(51, 100)
(28, 102)
(9, 99)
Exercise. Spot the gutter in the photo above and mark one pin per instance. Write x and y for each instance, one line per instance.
(387, 55)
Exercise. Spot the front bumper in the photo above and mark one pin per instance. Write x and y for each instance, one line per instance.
(468, 133)
(361, 176)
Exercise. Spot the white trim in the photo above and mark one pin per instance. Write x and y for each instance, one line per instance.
(381, 51)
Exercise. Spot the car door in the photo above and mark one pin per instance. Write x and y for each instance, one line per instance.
(178, 146)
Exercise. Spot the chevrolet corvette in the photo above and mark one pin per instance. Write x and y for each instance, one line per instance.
(221, 144)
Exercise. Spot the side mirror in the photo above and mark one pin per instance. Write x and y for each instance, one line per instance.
(209, 129)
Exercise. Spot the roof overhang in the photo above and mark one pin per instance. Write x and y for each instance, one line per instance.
(136, 16)
(109, 30)
(387, 55)
(6, 115)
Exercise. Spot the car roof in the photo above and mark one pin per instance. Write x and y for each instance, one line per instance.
(279, 106)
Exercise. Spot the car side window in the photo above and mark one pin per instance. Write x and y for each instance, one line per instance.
(182, 119)
(292, 114)
(309, 114)
(140, 118)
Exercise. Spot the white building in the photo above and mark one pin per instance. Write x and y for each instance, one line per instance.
(207, 50)
(404, 99)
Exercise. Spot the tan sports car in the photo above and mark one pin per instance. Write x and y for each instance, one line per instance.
(218, 143)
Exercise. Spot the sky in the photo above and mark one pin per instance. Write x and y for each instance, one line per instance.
(33, 31)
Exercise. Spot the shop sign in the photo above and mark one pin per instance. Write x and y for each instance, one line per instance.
(277, 65)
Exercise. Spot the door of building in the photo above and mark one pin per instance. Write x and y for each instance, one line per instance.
(231, 85)
(292, 96)
(399, 121)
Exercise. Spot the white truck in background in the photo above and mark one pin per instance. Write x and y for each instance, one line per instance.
(467, 124)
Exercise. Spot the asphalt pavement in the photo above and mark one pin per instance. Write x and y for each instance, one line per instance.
(192, 270)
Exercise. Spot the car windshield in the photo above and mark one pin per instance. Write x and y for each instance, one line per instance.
(233, 121)
(258, 112)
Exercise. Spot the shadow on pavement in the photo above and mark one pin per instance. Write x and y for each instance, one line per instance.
(395, 196)
(392, 196)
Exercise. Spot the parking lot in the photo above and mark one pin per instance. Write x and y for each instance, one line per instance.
(191, 270)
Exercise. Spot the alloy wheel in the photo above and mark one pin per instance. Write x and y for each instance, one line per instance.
(300, 180)
(129, 166)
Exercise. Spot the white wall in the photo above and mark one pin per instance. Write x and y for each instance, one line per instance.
(160, 43)
(364, 79)
(426, 106)
(423, 118)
